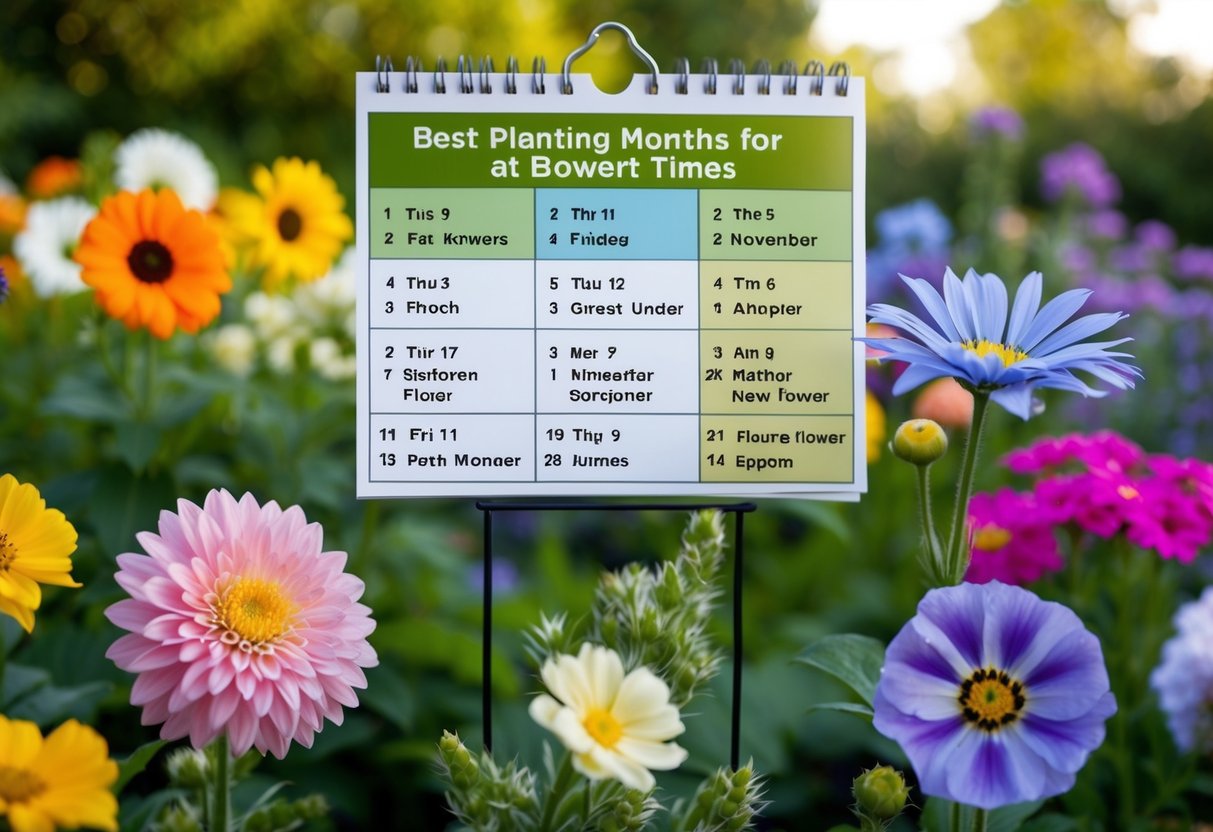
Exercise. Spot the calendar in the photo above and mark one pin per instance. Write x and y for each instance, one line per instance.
(565, 292)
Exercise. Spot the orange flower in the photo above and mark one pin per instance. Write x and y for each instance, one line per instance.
(154, 263)
(54, 176)
(12, 214)
(946, 402)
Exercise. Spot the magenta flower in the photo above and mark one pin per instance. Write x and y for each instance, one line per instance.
(240, 624)
(996, 696)
(1106, 485)
(1012, 540)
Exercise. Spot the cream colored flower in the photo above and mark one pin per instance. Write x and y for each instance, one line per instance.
(616, 726)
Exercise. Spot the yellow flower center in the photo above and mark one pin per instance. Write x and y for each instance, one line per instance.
(991, 699)
(1128, 492)
(253, 614)
(991, 538)
(1009, 355)
(603, 727)
(8, 552)
(18, 785)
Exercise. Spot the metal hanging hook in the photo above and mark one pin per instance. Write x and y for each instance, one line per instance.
(637, 50)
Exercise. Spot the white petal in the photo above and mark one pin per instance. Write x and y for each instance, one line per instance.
(642, 694)
(663, 725)
(543, 709)
(660, 756)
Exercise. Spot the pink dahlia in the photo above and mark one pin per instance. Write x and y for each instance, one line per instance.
(240, 624)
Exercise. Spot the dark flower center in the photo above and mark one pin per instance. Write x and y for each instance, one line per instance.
(990, 699)
(150, 261)
(8, 552)
(18, 785)
(290, 225)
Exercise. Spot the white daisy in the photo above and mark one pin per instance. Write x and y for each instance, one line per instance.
(332, 297)
(616, 726)
(44, 247)
(328, 360)
(154, 158)
(234, 348)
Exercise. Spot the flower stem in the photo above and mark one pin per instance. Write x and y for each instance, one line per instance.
(556, 794)
(956, 558)
(981, 820)
(932, 560)
(149, 377)
(221, 786)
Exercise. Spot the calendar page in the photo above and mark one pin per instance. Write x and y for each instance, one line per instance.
(591, 294)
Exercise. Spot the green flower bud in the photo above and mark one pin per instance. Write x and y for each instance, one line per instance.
(188, 768)
(920, 441)
(464, 772)
(881, 792)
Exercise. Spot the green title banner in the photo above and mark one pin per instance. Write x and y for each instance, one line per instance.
(537, 150)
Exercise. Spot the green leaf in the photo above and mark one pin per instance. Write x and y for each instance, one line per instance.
(19, 682)
(49, 705)
(124, 504)
(389, 694)
(819, 514)
(136, 443)
(86, 399)
(852, 659)
(845, 707)
(135, 763)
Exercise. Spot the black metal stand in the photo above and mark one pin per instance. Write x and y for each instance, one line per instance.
(738, 510)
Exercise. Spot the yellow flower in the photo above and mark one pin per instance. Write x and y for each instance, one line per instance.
(60, 781)
(874, 419)
(616, 726)
(36, 543)
(300, 226)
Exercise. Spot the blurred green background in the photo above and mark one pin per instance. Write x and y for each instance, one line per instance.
(251, 80)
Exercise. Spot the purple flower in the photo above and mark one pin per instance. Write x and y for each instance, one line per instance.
(915, 226)
(971, 337)
(1107, 224)
(997, 121)
(1155, 236)
(1078, 169)
(1184, 678)
(3, 285)
(914, 240)
(996, 696)
(1194, 262)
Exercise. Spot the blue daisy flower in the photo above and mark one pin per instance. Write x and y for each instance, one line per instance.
(996, 696)
(972, 340)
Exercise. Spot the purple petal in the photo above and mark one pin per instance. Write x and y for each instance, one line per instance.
(958, 613)
(1070, 680)
(1065, 744)
(1055, 313)
(992, 770)
(1027, 302)
(1077, 330)
(935, 305)
(1016, 400)
(1021, 630)
(928, 743)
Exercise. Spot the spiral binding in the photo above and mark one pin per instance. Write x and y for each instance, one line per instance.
(477, 77)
